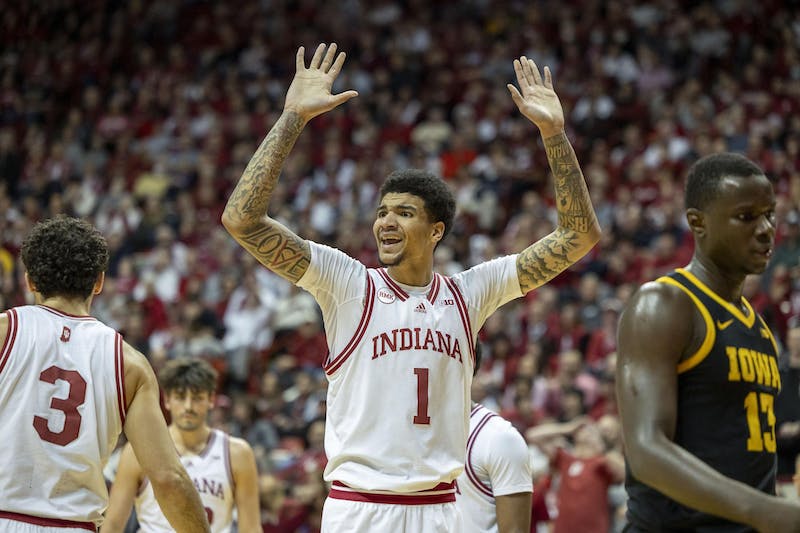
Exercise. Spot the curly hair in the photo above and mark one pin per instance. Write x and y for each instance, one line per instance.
(64, 256)
(440, 204)
(705, 175)
(188, 374)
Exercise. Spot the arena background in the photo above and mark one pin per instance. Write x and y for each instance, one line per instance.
(141, 116)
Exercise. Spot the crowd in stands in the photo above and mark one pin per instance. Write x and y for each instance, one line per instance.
(142, 115)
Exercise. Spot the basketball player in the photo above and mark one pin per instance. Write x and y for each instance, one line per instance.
(495, 490)
(698, 373)
(401, 337)
(222, 468)
(68, 386)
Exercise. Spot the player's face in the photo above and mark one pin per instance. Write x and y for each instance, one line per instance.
(740, 225)
(189, 408)
(402, 229)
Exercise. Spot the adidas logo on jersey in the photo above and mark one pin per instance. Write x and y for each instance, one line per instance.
(420, 308)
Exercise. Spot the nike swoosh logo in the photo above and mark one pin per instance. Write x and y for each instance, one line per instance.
(723, 325)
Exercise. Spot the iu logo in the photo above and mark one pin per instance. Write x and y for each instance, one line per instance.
(65, 333)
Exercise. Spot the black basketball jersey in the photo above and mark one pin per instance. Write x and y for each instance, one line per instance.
(726, 392)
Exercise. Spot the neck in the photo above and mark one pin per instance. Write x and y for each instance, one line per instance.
(412, 275)
(193, 440)
(726, 285)
(68, 306)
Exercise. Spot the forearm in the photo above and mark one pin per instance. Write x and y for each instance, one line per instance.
(683, 477)
(180, 502)
(250, 199)
(574, 206)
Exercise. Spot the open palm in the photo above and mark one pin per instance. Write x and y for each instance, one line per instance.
(310, 91)
(536, 98)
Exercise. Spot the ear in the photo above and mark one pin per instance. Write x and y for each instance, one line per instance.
(697, 221)
(30, 284)
(437, 233)
(98, 285)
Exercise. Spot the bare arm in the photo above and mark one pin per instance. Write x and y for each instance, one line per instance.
(245, 475)
(149, 437)
(514, 512)
(123, 492)
(654, 333)
(578, 229)
(245, 215)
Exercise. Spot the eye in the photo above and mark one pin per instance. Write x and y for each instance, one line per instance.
(745, 217)
(406, 214)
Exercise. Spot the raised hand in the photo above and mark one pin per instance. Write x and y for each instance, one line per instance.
(537, 99)
(309, 94)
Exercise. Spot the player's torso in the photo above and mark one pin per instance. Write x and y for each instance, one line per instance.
(726, 394)
(212, 476)
(61, 389)
(399, 387)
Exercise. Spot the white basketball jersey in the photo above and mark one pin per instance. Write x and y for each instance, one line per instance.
(400, 368)
(497, 465)
(62, 409)
(212, 476)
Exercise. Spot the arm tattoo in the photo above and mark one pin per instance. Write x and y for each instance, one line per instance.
(279, 249)
(545, 259)
(269, 241)
(572, 198)
(249, 200)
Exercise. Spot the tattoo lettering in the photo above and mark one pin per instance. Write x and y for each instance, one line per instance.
(279, 249)
(572, 199)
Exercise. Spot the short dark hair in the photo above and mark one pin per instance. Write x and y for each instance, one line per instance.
(188, 374)
(478, 358)
(64, 256)
(439, 201)
(705, 175)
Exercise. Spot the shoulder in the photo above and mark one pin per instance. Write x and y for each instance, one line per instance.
(658, 304)
(137, 371)
(241, 451)
(505, 439)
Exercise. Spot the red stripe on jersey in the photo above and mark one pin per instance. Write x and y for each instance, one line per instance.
(441, 493)
(11, 335)
(119, 373)
(434, 292)
(401, 294)
(65, 315)
(471, 475)
(369, 304)
(49, 522)
(464, 312)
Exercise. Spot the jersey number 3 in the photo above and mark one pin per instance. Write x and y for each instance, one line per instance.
(68, 406)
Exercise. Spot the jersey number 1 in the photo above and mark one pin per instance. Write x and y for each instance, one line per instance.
(68, 406)
(422, 397)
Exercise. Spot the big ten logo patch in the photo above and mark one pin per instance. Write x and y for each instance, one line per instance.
(386, 296)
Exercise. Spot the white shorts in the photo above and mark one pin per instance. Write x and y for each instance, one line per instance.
(15, 526)
(339, 516)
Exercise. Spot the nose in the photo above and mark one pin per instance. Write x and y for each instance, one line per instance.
(765, 227)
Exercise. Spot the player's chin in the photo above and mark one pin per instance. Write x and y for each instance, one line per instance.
(387, 260)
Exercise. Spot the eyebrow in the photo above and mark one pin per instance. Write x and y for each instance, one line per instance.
(399, 206)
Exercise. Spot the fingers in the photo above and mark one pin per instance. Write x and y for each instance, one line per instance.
(337, 65)
(515, 94)
(535, 72)
(317, 59)
(329, 55)
(299, 60)
(528, 73)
